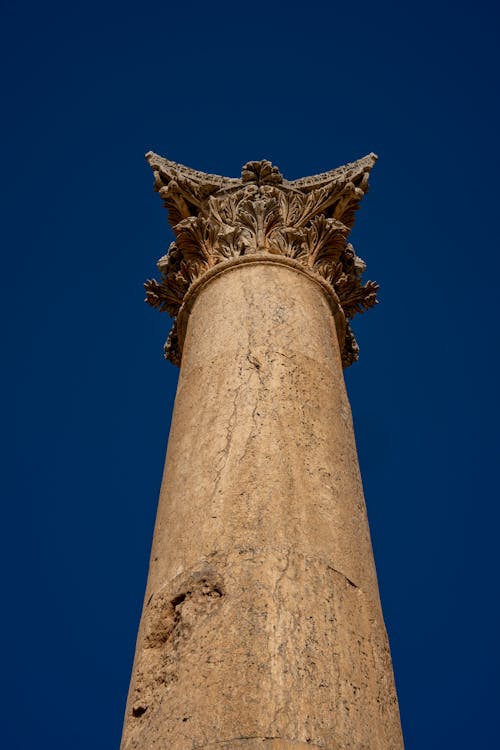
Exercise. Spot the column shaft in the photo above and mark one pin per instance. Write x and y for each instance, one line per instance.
(262, 623)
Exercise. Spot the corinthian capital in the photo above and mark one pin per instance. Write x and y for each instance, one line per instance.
(218, 218)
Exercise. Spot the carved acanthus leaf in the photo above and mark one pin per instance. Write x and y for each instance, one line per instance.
(288, 241)
(259, 218)
(325, 240)
(350, 352)
(262, 173)
(172, 349)
(216, 218)
(354, 297)
(177, 207)
(196, 239)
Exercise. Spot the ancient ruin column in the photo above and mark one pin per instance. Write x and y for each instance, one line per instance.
(262, 625)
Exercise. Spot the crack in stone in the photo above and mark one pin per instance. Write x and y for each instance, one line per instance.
(224, 452)
(275, 642)
(288, 552)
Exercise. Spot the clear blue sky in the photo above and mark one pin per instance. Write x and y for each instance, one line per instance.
(88, 89)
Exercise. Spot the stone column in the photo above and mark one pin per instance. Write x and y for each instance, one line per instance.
(262, 624)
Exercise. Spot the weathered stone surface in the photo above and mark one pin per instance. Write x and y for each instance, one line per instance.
(262, 624)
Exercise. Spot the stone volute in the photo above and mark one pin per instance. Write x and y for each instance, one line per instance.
(262, 625)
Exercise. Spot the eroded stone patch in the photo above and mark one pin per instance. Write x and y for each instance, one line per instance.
(168, 620)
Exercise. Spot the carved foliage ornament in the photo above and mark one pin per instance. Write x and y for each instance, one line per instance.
(217, 218)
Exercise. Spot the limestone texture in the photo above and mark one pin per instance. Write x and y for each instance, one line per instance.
(262, 625)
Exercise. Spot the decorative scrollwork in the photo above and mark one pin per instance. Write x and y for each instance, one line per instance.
(216, 218)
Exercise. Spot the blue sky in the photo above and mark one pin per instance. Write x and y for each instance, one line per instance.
(88, 89)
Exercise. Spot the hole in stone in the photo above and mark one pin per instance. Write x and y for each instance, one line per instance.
(179, 599)
(138, 711)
